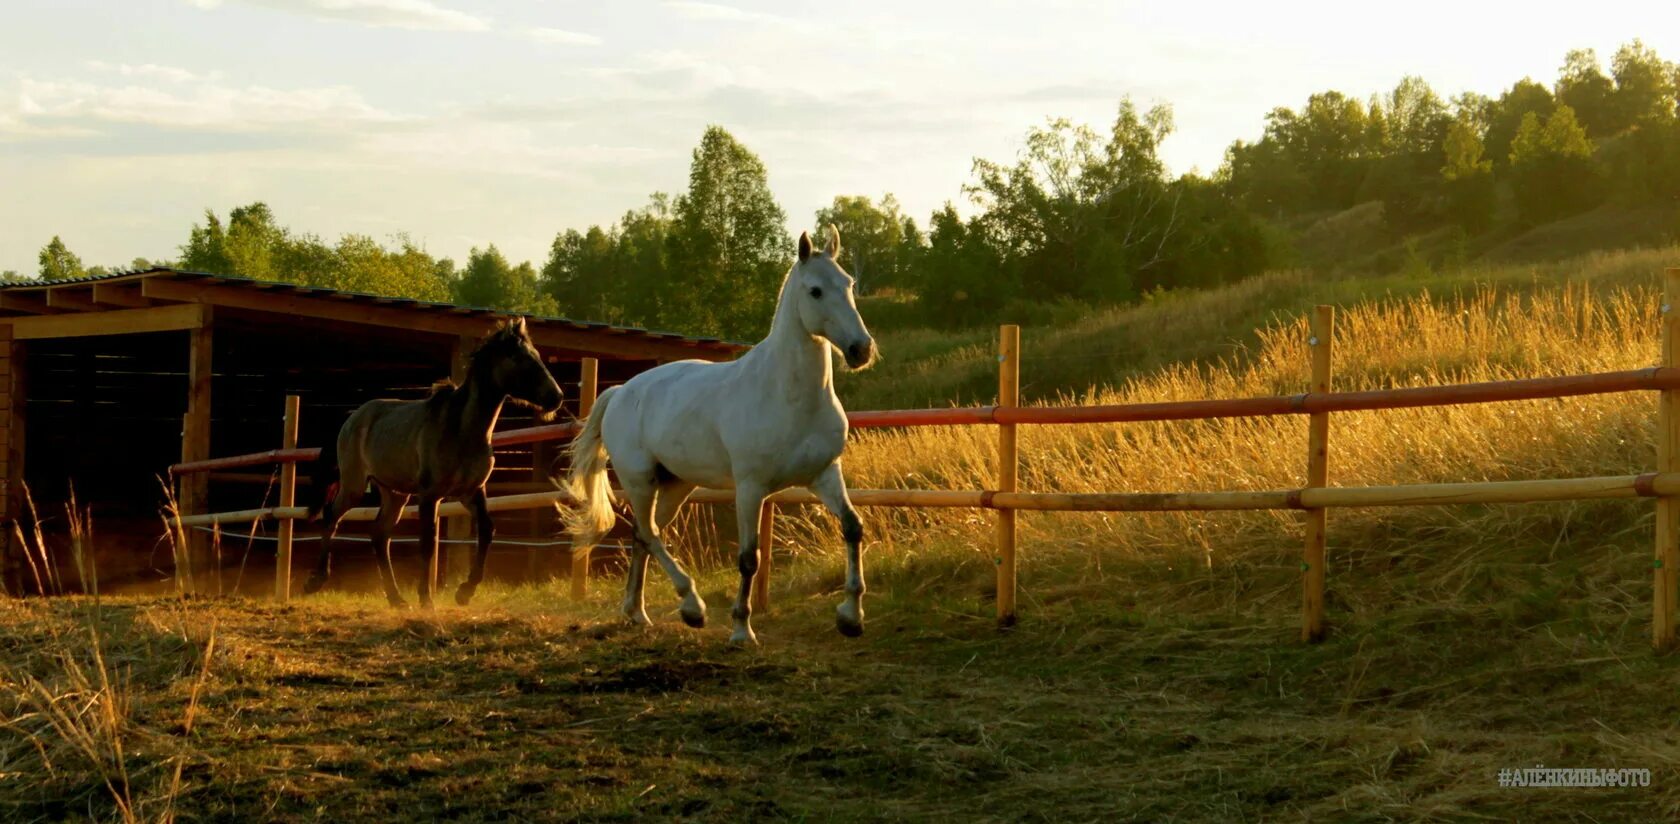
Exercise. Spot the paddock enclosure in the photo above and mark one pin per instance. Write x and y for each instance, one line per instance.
(1314, 498)
(106, 382)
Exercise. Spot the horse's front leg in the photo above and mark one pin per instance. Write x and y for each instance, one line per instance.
(428, 547)
(391, 505)
(831, 488)
(749, 500)
(486, 533)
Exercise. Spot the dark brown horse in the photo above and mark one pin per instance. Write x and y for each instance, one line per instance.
(435, 449)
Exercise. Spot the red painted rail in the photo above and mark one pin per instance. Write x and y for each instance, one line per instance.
(1654, 378)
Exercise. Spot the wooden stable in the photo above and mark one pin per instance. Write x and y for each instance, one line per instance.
(108, 381)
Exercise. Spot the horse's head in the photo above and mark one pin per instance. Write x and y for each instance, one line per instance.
(827, 307)
(515, 369)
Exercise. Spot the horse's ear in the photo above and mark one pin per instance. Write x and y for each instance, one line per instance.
(804, 246)
(833, 246)
(519, 326)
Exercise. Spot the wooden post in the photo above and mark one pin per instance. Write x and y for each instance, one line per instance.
(195, 439)
(12, 454)
(540, 521)
(1665, 563)
(1009, 394)
(587, 382)
(1319, 341)
(288, 498)
(766, 537)
(453, 561)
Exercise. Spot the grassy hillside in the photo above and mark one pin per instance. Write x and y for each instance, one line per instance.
(1071, 353)
(1155, 674)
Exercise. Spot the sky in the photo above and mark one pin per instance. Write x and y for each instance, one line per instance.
(470, 122)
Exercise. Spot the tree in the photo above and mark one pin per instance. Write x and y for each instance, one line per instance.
(874, 238)
(1468, 177)
(59, 263)
(12, 276)
(490, 281)
(1645, 86)
(1523, 98)
(729, 244)
(1582, 86)
(1552, 170)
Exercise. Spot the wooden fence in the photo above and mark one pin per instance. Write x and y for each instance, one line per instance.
(1313, 498)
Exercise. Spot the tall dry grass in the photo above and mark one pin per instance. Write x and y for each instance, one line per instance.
(1486, 333)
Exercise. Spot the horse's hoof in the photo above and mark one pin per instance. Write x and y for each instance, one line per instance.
(693, 611)
(313, 585)
(463, 596)
(849, 622)
(743, 638)
(638, 619)
(396, 602)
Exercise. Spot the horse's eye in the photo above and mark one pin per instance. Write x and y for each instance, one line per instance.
(816, 291)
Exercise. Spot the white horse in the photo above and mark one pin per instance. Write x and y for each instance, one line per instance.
(759, 424)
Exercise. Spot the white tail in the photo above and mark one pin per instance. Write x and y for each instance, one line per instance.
(591, 515)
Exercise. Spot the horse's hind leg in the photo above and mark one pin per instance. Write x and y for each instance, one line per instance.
(331, 516)
(390, 512)
(648, 512)
(830, 486)
(486, 534)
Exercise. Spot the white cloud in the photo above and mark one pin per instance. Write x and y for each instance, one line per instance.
(697, 10)
(203, 106)
(170, 73)
(402, 14)
(561, 37)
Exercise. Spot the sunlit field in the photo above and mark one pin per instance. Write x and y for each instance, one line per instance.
(1155, 674)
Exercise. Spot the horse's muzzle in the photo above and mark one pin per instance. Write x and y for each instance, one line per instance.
(861, 355)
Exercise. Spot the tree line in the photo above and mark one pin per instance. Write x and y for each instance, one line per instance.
(1079, 215)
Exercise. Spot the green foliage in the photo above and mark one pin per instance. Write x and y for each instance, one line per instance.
(1583, 87)
(1646, 86)
(1468, 178)
(729, 244)
(253, 244)
(490, 281)
(1551, 167)
(59, 263)
(1523, 98)
(707, 264)
(876, 249)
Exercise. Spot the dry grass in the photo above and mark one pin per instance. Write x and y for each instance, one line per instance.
(1155, 675)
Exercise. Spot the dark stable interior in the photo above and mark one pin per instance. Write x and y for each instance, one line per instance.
(104, 419)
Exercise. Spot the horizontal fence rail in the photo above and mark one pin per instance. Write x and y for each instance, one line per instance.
(1526, 389)
(1313, 499)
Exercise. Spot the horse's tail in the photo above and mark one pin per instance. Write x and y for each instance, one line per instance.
(591, 514)
(325, 477)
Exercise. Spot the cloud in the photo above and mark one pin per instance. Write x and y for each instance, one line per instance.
(561, 37)
(200, 105)
(697, 10)
(402, 14)
(171, 73)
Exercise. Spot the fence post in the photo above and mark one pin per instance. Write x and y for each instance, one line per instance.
(589, 378)
(288, 498)
(1009, 394)
(1665, 563)
(766, 535)
(1319, 340)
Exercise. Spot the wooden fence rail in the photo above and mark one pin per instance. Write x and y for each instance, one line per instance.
(1313, 499)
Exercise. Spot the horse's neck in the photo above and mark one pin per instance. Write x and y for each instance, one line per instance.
(792, 357)
(473, 409)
